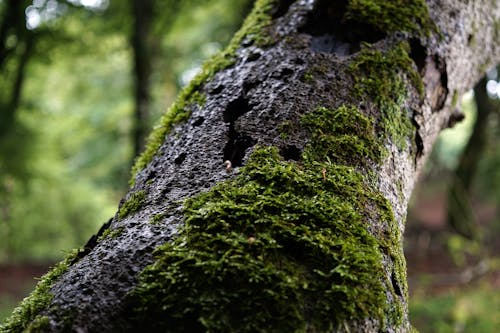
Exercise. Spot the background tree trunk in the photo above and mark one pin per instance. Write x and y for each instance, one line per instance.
(460, 212)
(274, 191)
(141, 44)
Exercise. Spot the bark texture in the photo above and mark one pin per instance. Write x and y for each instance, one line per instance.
(350, 96)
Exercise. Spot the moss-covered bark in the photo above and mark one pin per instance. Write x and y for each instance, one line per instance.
(272, 196)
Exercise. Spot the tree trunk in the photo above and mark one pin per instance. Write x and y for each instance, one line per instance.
(141, 44)
(460, 212)
(273, 195)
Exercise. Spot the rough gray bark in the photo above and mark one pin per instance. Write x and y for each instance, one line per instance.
(245, 106)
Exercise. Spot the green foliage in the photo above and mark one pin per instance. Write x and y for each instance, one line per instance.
(410, 16)
(466, 310)
(25, 317)
(63, 165)
(66, 159)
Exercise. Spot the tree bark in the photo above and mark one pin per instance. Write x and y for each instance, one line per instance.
(273, 195)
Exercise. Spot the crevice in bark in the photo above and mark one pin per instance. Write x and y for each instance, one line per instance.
(179, 159)
(395, 285)
(418, 54)
(198, 121)
(419, 142)
(237, 143)
(236, 147)
(332, 33)
(435, 79)
(236, 109)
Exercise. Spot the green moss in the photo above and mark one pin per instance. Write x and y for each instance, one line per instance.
(282, 242)
(253, 30)
(135, 201)
(342, 136)
(285, 241)
(39, 324)
(378, 78)
(284, 129)
(308, 77)
(26, 316)
(157, 218)
(110, 233)
(410, 16)
(392, 245)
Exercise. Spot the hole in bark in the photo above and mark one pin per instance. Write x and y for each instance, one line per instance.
(291, 153)
(418, 54)
(253, 56)
(179, 159)
(217, 89)
(332, 33)
(419, 143)
(236, 147)
(299, 61)
(151, 176)
(235, 109)
(281, 8)
(470, 39)
(282, 73)
(395, 285)
(198, 121)
(238, 143)
(248, 85)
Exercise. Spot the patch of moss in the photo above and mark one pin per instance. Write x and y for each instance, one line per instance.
(134, 202)
(39, 324)
(157, 218)
(110, 233)
(286, 244)
(253, 30)
(26, 316)
(308, 77)
(285, 241)
(410, 16)
(391, 244)
(342, 136)
(284, 129)
(378, 78)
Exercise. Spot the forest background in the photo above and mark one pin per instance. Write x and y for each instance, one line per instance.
(83, 81)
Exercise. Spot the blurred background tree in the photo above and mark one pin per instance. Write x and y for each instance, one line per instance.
(83, 81)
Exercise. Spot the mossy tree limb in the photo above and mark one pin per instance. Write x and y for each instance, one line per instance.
(270, 202)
